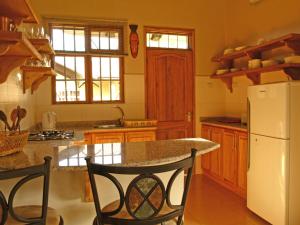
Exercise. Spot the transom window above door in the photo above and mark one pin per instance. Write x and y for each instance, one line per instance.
(88, 63)
(173, 41)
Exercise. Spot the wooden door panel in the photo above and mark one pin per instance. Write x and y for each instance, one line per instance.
(170, 92)
(215, 158)
(229, 157)
(242, 151)
(171, 88)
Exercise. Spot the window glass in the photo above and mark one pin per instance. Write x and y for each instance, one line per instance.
(174, 41)
(74, 82)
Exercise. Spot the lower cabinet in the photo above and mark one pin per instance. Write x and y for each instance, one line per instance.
(101, 138)
(228, 164)
(118, 136)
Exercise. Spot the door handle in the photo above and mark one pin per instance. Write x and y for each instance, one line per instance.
(248, 124)
(189, 116)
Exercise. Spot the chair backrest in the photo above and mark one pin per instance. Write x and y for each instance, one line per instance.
(26, 174)
(147, 185)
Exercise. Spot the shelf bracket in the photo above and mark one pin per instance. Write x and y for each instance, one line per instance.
(294, 45)
(35, 85)
(293, 72)
(7, 64)
(228, 82)
(254, 77)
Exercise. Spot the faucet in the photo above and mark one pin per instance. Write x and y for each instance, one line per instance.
(122, 118)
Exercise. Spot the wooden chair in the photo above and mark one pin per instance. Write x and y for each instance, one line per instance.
(33, 214)
(146, 200)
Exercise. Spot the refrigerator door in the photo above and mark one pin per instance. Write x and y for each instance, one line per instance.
(267, 178)
(269, 109)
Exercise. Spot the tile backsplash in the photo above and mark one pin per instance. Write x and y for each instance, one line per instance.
(11, 95)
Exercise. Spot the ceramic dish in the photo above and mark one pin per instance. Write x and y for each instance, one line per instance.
(228, 51)
(234, 70)
(270, 62)
(254, 63)
(241, 47)
(222, 71)
(292, 59)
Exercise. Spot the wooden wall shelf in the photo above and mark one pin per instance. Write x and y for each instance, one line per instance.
(34, 76)
(290, 40)
(15, 48)
(18, 10)
(291, 69)
(43, 45)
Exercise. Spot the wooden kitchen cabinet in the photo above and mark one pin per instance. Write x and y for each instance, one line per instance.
(242, 154)
(228, 164)
(215, 156)
(229, 157)
(140, 136)
(100, 138)
(205, 159)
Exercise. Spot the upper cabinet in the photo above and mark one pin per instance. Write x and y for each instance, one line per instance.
(257, 62)
(16, 49)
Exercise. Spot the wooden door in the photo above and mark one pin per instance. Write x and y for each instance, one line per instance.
(170, 92)
(215, 156)
(242, 151)
(229, 157)
(205, 159)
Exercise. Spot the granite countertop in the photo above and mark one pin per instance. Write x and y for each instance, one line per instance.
(225, 122)
(121, 154)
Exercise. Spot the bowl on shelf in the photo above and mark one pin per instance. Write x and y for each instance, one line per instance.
(228, 51)
(222, 71)
(292, 59)
(241, 48)
(234, 70)
(270, 62)
(254, 63)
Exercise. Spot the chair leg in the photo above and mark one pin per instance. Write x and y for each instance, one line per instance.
(179, 221)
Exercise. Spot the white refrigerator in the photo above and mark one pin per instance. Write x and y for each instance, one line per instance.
(273, 177)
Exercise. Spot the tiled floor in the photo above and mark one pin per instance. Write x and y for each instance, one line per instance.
(210, 204)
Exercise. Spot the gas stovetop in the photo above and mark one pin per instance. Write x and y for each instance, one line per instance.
(51, 135)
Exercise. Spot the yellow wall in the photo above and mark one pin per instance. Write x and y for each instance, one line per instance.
(245, 25)
(206, 17)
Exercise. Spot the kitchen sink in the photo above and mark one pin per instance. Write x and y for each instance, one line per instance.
(107, 126)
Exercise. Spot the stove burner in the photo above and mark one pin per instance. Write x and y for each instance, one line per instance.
(51, 135)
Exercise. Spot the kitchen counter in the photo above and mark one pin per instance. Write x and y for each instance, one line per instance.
(69, 176)
(224, 122)
(121, 154)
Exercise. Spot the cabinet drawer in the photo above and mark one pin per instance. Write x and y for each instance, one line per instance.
(140, 136)
(107, 138)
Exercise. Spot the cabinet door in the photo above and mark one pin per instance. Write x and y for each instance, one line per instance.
(140, 136)
(215, 156)
(229, 157)
(205, 159)
(100, 138)
(242, 150)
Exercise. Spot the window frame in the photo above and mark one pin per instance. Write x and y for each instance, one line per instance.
(88, 54)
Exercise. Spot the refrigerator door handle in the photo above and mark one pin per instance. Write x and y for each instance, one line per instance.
(248, 123)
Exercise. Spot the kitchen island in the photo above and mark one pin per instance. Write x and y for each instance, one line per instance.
(67, 187)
